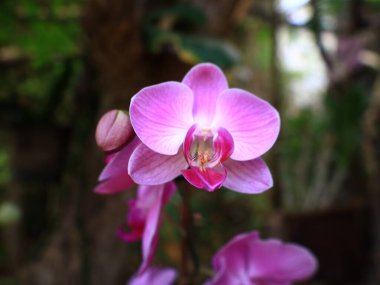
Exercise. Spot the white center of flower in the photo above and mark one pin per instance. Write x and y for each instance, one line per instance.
(202, 150)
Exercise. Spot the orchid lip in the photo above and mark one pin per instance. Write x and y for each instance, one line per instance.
(205, 150)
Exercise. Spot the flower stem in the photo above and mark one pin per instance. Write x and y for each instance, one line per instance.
(190, 262)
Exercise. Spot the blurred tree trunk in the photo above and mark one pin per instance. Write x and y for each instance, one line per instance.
(82, 247)
(114, 37)
(371, 148)
(276, 95)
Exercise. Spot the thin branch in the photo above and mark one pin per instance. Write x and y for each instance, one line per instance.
(188, 273)
(317, 30)
(371, 161)
(276, 94)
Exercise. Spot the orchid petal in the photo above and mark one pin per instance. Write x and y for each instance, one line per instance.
(150, 236)
(223, 275)
(143, 218)
(153, 198)
(161, 115)
(151, 168)
(206, 81)
(208, 179)
(114, 185)
(114, 177)
(128, 236)
(250, 260)
(274, 260)
(253, 123)
(224, 143)
(192, 177)
(189, 138)
(136, 219)
(233, 255)
(154, 276)
(110, 156)
(251, 177)
(118, 165)
(169, 190)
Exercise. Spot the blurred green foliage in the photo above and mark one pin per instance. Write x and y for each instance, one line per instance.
(320, 144)
(344, 114)
(9, 213)
(4, 167)
(175, 28)
(40, 61)
(258, 37)
(39, 55)
(319, 147)
(374, 3)
(45, 31)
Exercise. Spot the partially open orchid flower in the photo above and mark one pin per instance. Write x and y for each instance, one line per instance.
(115, 178)
(248, 260)
(210, 133)
(154, 276)
(113, 130)
(144, 212)
(143, 219)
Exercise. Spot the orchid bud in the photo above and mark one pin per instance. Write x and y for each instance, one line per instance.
(114, 129)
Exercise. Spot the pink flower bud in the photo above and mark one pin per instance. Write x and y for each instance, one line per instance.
(114, 129)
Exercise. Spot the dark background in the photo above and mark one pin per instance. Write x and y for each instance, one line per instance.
(64, 63)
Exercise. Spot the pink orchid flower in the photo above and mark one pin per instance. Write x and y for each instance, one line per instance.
(154, 276)
(143, 218)
(200, 128)
(248, 260)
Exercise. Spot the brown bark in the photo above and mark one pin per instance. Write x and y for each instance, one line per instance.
(82, 247)
(372, 161)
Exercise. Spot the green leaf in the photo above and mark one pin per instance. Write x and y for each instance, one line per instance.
(197, 49)
(179, 16)
(193, 50)
(169, 28)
